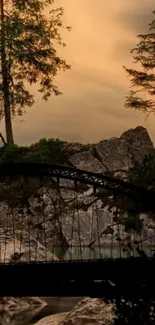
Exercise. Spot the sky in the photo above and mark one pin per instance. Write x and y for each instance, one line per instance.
(92, 105)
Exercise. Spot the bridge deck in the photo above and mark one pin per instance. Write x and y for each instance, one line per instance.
(67, 278)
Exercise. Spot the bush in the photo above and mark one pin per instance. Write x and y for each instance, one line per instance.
(143, 174)
(19, 191)
(9, 153)
(45, 151)
(48, 151)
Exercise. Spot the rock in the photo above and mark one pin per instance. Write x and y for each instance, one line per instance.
(84, 160)
(19, 310)
(139, 142)
(89, 312)
(114, 154)
(19, 246)
(84, 226)
(56, 319)
(138, 136)
(75, 147)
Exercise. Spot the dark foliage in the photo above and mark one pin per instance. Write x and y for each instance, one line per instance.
(143, 80)
(143, 174)
(45, 151)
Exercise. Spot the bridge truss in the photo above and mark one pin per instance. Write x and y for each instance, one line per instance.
(97, 180)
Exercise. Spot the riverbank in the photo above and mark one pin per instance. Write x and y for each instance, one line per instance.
(86, 311)
(56, 305)
(30, 310)
(19, 310)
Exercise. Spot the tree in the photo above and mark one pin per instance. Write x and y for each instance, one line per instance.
(28, 55)
(143, 173)
(143, 81)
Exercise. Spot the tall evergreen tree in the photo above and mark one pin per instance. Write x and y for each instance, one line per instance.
(143, 80)
(28, 54)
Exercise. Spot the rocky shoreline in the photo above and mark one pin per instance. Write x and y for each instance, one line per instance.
(19, 310)
(87, 311)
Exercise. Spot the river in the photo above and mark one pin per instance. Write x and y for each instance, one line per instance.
(56, 305)
(77, 253)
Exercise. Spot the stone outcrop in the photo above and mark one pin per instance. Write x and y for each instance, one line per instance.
(88, 311)
(113, 154)
(139, 142)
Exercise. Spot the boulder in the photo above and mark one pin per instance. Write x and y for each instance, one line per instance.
(91, 312)
(19, 310)
(56, 319)
(87, 312)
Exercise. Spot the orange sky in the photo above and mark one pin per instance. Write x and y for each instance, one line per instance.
(92, 105)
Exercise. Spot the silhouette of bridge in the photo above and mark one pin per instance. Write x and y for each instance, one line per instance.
(73, 276)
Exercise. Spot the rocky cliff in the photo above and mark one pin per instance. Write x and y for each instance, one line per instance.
(114, 154)
(56, 215)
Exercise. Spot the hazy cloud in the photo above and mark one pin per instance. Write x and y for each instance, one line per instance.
(92, 105)
(136, 16)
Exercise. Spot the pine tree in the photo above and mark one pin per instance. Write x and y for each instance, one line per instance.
(143, 81)
(28, 54)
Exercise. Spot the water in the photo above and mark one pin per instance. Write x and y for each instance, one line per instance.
(77, 253)
(32, 315)
(56, 305)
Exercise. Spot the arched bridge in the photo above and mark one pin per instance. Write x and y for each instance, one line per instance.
(98, 180)
(68, 236)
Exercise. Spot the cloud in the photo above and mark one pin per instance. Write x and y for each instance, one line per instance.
(94, 79)
(137, 22)
(136, 16)
(122, 49)
(92, 105)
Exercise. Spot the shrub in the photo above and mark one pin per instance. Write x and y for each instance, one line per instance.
(18, 191)
(45, 151)
(48, 151)
(143, 174)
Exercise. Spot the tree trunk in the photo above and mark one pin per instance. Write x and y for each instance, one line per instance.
(3, 140)
(5, 82)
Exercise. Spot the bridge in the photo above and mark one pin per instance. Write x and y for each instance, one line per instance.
(42, 234)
